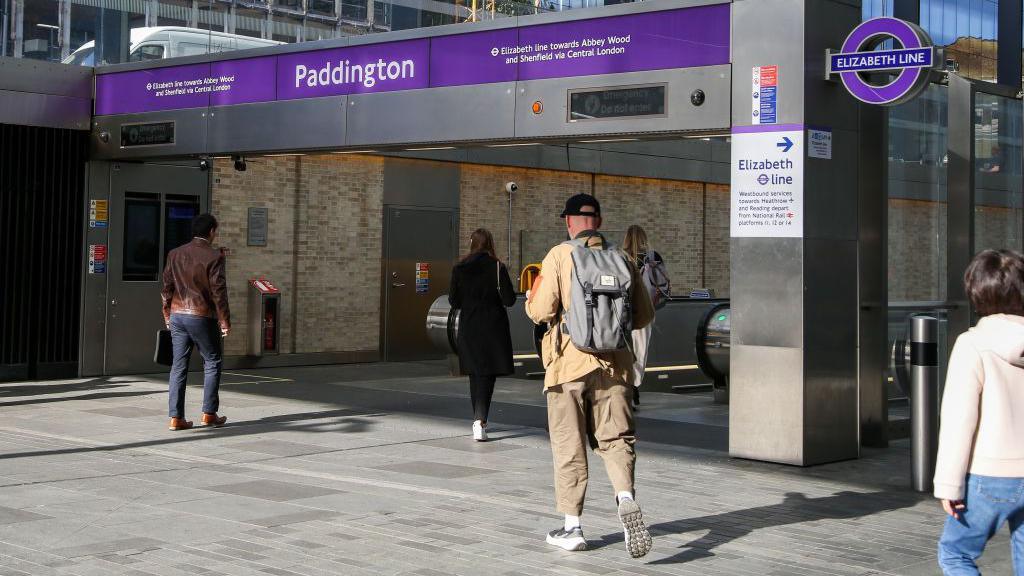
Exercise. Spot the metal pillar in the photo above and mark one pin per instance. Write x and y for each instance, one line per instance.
(794, 394)
(960, 202)
(924, 400)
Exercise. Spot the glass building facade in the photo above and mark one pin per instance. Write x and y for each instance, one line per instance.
(969, 32)
(97, 32)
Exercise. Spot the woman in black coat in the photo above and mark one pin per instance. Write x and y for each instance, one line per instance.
(482, 289)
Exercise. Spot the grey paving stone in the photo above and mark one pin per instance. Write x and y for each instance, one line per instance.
(128, 412)
(294, 518)
(15, 516)
(465, 444)
(102, 548)
(436, 469)
(272, 490)
(278, 447)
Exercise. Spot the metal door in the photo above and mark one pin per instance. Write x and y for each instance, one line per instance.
(151, 211)
(419, 248)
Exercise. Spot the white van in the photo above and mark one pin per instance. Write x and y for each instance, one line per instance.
(171, 42)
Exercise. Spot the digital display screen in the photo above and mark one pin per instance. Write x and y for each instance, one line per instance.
(625, 102)
(155, 134)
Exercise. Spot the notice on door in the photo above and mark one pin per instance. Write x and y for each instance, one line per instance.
(422, 277)
(767, 183)
(97, 259)
(98, 213)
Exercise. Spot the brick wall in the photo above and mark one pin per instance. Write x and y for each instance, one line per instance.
(332, 266)
(672, 213)
(325, 234)
(917, 250)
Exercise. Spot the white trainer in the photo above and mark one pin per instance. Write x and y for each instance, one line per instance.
(571, 540)
(479, 432)
(638, 539)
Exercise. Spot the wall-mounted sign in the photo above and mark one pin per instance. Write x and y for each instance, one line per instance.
(767, 181)
(97, 259)
(422, 277)
(149, 134)
(764, 95)
(657, 40)
(910, 61)
(819, 143)
(257, 232)
(627, 101)
(99, 213)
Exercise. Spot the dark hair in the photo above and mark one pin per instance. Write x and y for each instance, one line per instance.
(481, 241)
(994, 282)
(203, 225)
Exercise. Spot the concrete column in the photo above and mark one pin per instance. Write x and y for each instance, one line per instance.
(794, 392)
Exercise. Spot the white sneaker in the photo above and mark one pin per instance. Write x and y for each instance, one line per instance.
(479, 432)
(571, 540)
(638, 539)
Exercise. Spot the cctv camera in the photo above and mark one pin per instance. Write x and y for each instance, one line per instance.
(204, 164)
(511, 187)
(239, 163)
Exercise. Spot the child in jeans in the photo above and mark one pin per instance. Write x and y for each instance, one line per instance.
(979, 475)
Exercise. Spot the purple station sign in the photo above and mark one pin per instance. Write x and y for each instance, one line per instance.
(680, 38)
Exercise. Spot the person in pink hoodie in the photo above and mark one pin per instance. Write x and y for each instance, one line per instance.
(979, 474)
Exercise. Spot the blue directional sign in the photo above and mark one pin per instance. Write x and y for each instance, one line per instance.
(785, 144)
(881, 60)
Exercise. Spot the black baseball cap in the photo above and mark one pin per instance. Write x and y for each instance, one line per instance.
(574, 206)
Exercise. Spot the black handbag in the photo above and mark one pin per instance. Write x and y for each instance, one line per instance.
(164, 353)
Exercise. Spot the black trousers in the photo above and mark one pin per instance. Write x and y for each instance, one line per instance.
(481, 388)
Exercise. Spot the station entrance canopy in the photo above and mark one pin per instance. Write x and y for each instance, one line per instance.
(638, 69)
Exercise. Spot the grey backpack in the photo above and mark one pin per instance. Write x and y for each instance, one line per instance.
(600, 315)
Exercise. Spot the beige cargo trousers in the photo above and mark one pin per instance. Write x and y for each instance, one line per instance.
(596, 411)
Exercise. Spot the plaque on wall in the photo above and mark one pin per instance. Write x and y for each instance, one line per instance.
(258, 226)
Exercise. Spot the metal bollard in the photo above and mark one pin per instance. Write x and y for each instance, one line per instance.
(924, 400)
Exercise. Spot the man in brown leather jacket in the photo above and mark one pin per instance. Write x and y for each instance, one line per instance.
(195, 300)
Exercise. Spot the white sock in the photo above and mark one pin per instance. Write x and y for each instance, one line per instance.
(571, 522)
(623, 495)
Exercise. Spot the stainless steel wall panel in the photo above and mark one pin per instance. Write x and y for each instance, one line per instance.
(766, 419)
(767, 294)
(681, 115)
(433, 116)
(767, 32)
(40, 77)
(94, 286)
(830, 350)
(413, 183)
(830, 191)
(276, 126)
(44, 110)
(190, 130)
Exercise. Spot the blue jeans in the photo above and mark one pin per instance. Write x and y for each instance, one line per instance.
(203, 332)
(990, 502)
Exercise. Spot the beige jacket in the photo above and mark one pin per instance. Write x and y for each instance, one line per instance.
(562, 361)
(983, 406)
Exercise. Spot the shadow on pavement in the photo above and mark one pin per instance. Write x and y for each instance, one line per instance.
(340, 421)
(795, 508)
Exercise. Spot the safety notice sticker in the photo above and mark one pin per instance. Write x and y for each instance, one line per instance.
(98, 214)
(97, 259)
(765, 94)
(767, 182)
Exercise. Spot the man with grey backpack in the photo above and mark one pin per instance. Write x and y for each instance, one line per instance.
(591, 297)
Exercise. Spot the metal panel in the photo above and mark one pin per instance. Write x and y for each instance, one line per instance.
(767, 271)
(133, 314)
(40, 77)
(44, 110)
(438, 115)
(830, 190)
(94, 286)
(960, 211)
(287, 125)
(189, 135)
(830, 395)
(756, 29)
(682, 115)
(766, 418)
(873, 212)
(427, 184)
(405, 335)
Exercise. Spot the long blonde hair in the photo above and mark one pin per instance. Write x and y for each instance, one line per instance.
(635, 242)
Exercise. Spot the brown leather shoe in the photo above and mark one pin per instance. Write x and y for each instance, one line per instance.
(213, 420)
(179, 424)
